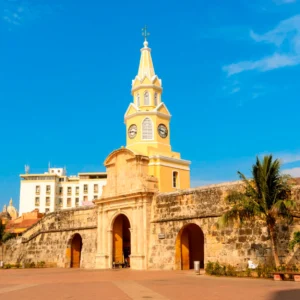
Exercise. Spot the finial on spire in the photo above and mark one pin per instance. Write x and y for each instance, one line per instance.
(145, 33)
(10, 202)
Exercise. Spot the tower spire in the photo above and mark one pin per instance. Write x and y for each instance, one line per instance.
(145, 33)
(146, 67)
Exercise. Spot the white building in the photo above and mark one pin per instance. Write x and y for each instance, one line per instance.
(54, 190)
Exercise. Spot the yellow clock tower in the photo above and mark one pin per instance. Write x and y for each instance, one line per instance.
(147, 122)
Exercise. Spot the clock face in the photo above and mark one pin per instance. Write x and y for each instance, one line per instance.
(132, 131)
(162, 130)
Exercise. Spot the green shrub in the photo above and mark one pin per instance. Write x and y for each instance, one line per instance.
(7, 266)
(215, 268)
(32, 265)
(248, 272)
(209, 268)
(18, 265)
(218, 269)
(40, 264)
(231, 271)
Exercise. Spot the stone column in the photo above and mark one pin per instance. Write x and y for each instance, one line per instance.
(110, 249)
(101, 256)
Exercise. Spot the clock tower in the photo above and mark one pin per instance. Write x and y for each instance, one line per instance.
(147, 122)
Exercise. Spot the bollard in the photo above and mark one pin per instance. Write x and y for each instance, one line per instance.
(197, 267)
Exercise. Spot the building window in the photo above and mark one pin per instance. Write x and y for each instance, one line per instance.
(37, 189)
(95, 197)
(69, 190)
(48, 189)
(60, 202)
(77, 190)
(61, 179)
(47, 201)
(138, 99)
(47, 210)
(61, 190)
(146, 98)
(175, 179)
(85, 198)
(37, 201)
(95, 188)
(155, 99)
(147, 129)
(69, 203)
(85, 188)
(76, 202)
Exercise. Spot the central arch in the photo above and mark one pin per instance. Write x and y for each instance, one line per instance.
(121, 241)
(189, 247)
(76, 246)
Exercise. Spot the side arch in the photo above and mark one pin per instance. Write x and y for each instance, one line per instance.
(189, 247)
(73, 253)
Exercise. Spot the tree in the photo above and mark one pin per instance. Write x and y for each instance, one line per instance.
(4, 236)
(265, 197)
(295, 241)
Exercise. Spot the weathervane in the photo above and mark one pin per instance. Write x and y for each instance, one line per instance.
(145, 32)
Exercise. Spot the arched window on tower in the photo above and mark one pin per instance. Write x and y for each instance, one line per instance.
(147, 129)
(155, 99)
(146, 98)
(138, 99)
(175, 179)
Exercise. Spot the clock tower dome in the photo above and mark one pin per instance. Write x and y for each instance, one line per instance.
(147, 122)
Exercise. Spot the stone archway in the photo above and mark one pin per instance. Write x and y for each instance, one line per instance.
(76, 247)
(189, 247)
(121, 244)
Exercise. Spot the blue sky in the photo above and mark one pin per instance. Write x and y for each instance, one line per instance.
(230, 72)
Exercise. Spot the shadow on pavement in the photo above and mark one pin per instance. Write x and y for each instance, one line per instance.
(286, 295)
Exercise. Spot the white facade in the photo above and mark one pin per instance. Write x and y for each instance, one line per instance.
(54, 190)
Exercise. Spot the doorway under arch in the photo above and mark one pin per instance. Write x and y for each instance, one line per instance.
(189, 247)
(76, 247)
(121, 241)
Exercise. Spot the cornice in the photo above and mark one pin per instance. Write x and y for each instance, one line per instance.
(171, 159)
(147, 86)
(148, 113)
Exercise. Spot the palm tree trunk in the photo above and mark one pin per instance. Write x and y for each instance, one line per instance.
(274, 245)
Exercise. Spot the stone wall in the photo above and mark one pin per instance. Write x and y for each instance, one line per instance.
(202, 206)
(49, 239)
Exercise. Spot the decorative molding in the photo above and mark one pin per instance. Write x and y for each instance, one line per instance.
(169, 165)
(171, 159)
(26, 240)
(148, 113)
(146, 86)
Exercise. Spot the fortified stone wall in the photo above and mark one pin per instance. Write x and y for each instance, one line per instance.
(49, 239)
(202, 206)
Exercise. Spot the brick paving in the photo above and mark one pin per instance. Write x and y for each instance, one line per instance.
(126, 284)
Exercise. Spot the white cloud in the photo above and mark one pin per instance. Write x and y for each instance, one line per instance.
(284, 157)
(18, 12)
(294, 172)
(285, 37)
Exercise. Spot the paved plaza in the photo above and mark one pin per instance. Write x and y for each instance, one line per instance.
(125, 284)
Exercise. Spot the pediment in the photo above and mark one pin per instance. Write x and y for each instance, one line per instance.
(162, 108)
(132, 109)
(124, 152)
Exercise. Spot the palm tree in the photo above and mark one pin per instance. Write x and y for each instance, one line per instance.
(265, 197)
